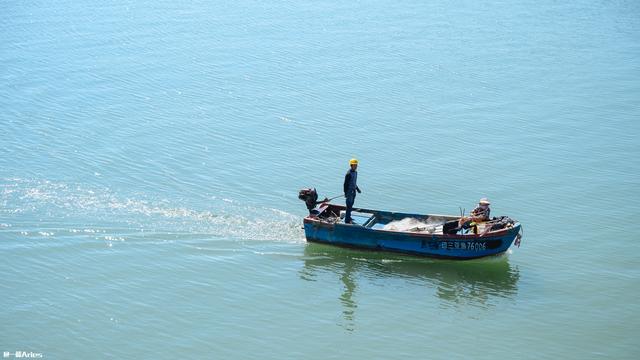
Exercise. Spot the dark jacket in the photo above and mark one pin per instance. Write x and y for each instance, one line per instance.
(350, 180)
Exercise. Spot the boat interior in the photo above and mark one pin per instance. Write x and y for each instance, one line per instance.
(401, 222)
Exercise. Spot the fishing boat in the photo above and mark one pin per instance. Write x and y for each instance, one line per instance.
(437, 236)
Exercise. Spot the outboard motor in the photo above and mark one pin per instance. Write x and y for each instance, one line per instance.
(310, 198)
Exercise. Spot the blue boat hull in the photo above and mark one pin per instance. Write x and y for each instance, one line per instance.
(467, 246)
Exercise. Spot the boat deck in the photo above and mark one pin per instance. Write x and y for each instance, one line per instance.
(414, 224)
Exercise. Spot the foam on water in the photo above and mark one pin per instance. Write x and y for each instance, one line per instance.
(227, 218)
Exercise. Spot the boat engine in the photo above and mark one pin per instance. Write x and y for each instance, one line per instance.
(310, 198)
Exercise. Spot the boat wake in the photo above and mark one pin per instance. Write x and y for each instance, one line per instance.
(74, 206)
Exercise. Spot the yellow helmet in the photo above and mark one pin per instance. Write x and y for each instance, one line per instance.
(353, 162)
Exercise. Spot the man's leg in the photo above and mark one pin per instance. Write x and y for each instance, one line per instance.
(350, 200)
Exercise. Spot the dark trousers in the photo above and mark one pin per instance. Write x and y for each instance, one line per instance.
(351, 198)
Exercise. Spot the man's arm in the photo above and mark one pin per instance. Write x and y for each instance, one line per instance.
(347, 178)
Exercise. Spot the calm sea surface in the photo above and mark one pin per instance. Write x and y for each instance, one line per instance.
(151, 153)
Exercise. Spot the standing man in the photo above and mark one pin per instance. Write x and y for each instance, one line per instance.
(350, 188)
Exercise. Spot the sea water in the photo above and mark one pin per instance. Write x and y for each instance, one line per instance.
(151, 153)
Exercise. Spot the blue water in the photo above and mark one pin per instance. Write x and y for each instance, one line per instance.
(151, 153)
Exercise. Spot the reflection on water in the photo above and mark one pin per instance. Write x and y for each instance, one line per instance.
(346, 298)
(479, 283)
